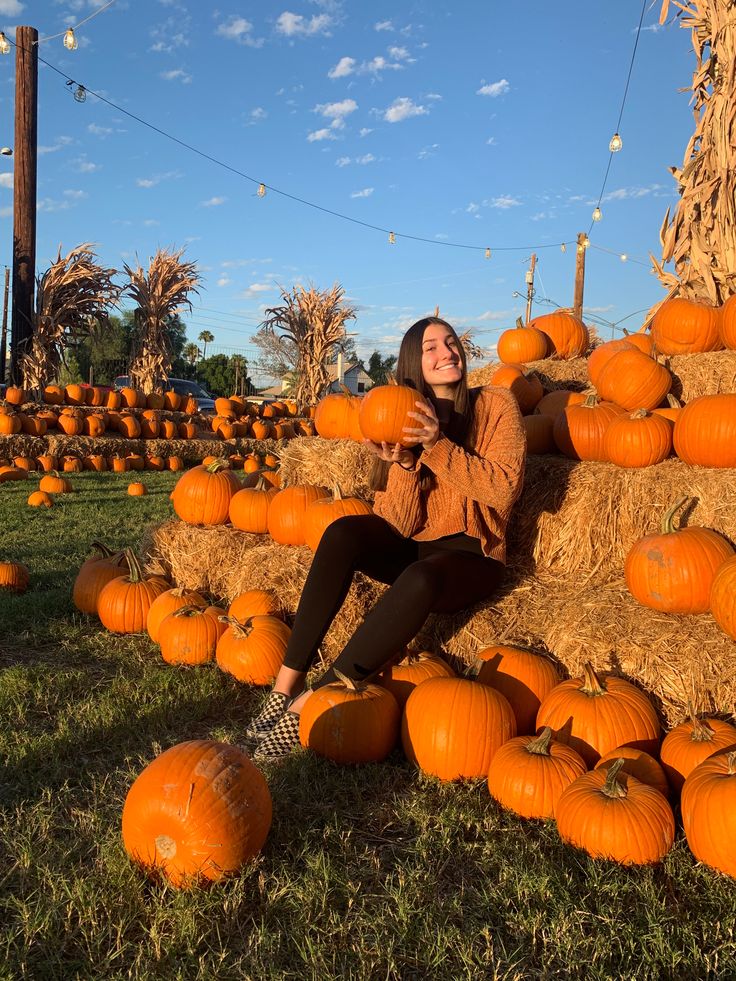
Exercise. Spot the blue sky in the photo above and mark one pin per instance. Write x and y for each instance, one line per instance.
(481, 124)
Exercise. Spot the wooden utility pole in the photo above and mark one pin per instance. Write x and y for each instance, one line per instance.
(577, 303)
(530, 287)
(25, 153)
(4, 330)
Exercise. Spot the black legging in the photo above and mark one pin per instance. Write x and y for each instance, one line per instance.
(443, 576)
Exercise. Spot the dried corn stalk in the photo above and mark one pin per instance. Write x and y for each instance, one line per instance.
(700, 238)
(159, 293)
(72, 300)
(315, 321)
(473, 351)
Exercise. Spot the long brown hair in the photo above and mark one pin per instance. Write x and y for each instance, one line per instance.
(409, 372)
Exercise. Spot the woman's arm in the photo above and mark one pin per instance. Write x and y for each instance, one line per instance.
(400, 503)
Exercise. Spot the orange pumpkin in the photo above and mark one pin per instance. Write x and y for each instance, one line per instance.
(262, 429)
(384, 414)
(321, 514)
(137, 489)
(33, 425)
(253, 651)
(567, 336)
(638, 440)
(682, 326)
(75, 395)
(401, 679)
(594, 714)
(255, 603)
(202, 495)
(94, 425)
(521, 344)
(524, 386)
(337, 417)
(198, 812)
(54, 483)
(10, 424)
(95, 573)
(673, 570)
(123, 604)
(633, 381)
(705, 431)
(723, 597)
(287, 513)
(637, 764)
(53, 395)
(14, 577)
(40, 499)
(691, 742)
(728, 323)
(169, 602)
(188, 636)
(708, 811)
(602, 354)
(522, 677)
(249, 507)
(555, 402)
(579, 431)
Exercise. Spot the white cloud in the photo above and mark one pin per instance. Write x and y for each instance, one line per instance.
(494, 315)
(400, 54)
(212, 202)
(238, 29)
(257, 114)
(6, 180)
(472, 208)
(224, 280)
(321, 134)
(623, 193)
(494, 89)
(403, 108)
(336, 110)
(365, 193)
(85, 166)
(156, 179)
(503, 202)
(11, 8)
(365, 159)
(364, 131)
(99, 130)
(151, 223)
(383, 25)
(428, 151)
(491, 141)
(50, 205)
(62, 141)
(345, 66)
(296, 25)
(75, 195)
(342, 161)
(176, 75)
(255, 289)
(379, 64)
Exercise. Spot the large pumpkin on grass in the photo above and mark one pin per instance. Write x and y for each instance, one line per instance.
(384, 413)
(123, 604)
(189, 635)
(198, 812)
(691, 742)
(452, 727)
(682, 326)
(705, 431)
(528, 774)
(614, 816)
(673, 570)
(169, 602)
(709, 812)
(637, 764)
(567, 336)
(14, 577)
(522, 677)
(94, 574)
(202, 495)
(350, 722)
(54, 483)
(594, 714)
(401, 679)
(253, 651)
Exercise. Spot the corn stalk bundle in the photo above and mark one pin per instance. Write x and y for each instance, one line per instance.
(700, 238)
(72, 300)
(158, 293)
(315, 321)
(473, 351)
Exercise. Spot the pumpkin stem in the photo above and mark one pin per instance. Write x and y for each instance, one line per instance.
(702, 732)
(135, 572)
(731, 757)
(540, 745)
(668, 526)
(519, 323)
(348, 682)
(188, 611)
(337, 493)
(592, 684)
(239, 629)
(613, 787)
(591, 401)
(640, 414)
(219, 464)
(102, 549)
(673, 402)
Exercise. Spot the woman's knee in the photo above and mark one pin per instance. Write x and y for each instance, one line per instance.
(421, 581)
(348, 533)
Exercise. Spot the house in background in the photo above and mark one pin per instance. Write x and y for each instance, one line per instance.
(354, 378)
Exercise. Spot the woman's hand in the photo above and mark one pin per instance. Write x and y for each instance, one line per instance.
(392, 454)
(428, 431)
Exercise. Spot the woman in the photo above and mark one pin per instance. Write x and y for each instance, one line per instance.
(437, 535)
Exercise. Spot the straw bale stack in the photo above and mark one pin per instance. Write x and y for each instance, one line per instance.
(21, 445)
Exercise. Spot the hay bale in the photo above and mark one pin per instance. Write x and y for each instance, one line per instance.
(553, 374)
(225, 562)
(675, 659)
(22, 445)
(580, 519)
(108, 445)
(326, 462)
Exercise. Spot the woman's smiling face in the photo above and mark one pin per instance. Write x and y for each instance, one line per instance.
(441, 362)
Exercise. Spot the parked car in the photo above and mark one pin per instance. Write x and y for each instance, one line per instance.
(182, 386)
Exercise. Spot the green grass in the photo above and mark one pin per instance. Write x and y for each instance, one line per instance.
(371, 872)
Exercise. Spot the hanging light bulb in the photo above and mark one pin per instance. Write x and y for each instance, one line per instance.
(391, 238)
(616, 143)
(624, 257)
(261, 192)
(563, 247)
(80, 94)
(488, 253)
(70, 42)
(597, 214)
(4, 44)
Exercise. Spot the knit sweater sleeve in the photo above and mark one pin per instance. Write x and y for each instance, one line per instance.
(401, 503)
(491, 474)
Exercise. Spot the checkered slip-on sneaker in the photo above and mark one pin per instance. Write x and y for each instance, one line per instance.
(273, 708)
(281, 740)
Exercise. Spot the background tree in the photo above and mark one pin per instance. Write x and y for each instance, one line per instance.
(701, 236)
(191, 353)
(73, 298)
(206, 338)
(380, 368)
(278, 355)
(314, 321)
(218, 375)
(159, 293)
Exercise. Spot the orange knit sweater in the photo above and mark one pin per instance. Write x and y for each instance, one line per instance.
(474, 486)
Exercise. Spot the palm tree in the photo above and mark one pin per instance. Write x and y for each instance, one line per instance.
(159, 293)
(240, 364)
(206, 338)
(192, 353)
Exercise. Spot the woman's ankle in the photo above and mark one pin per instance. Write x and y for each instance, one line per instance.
(297, 703)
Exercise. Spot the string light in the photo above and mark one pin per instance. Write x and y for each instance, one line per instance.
(261, 192)
(70, 42)
(597, 214)
(624, 257)
(80, 94)
(488, 253)
(4, 44)
(616, 143)
(391, 238)
(563, 247)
